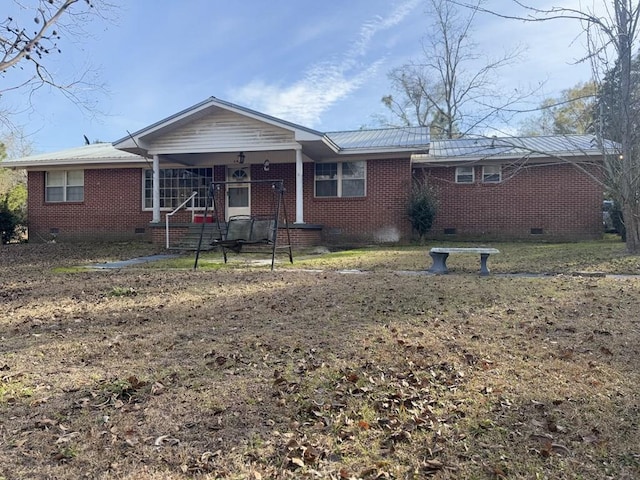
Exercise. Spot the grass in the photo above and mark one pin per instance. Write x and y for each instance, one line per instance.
(159, 372)
(598, 256)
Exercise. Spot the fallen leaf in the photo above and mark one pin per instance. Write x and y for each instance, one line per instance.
(165, 440)
(67, 437)
(432, 465)
(221, 360)
(590, 439)
(558, 448)
(46, 423)
(364, 425)
(157, 388)
(602, 332)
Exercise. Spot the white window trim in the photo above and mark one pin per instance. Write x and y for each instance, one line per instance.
(167, 209)
(485, 175)
(458, 175)
(65, 186)
(339, 179)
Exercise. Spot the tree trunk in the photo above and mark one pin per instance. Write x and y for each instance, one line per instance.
(629, 196)
(632, 229)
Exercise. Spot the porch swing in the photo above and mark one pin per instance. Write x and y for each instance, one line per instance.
(243, 231)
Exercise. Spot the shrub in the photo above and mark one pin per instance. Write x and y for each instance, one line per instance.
(423, 204)
(11, 221)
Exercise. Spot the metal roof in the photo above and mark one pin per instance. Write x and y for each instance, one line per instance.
(96, 153)
(472, 148)
(406, 138)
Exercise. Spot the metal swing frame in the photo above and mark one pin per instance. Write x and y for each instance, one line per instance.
(245, 230)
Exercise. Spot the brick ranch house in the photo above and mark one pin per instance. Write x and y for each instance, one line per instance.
(341, 187)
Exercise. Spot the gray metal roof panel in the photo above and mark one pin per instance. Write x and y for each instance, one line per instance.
(406, 138)
(515, 147)
(94, 153)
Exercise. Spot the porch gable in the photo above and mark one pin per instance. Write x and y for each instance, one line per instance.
(222, 131)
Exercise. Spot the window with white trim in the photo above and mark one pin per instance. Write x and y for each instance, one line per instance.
(340, 179)
(465, 175)
(176, 185)
(64, 186)
(492, 174)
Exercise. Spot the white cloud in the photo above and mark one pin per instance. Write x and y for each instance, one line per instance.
(323, 83)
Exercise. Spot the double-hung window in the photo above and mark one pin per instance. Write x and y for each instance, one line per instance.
(176, 185)
(341, 179)
(465, 175)
(492, 174)
(64, 186)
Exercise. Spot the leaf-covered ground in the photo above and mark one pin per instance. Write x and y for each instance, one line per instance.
(150, 372)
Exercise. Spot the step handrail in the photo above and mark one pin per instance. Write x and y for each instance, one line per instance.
(166, 218)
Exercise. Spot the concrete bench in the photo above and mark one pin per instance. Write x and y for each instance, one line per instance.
(440, 255)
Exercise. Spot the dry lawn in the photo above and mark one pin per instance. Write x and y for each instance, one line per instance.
(152, 372)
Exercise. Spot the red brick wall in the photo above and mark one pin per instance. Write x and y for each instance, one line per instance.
(112, 208)
(559, 199)
(380, 216)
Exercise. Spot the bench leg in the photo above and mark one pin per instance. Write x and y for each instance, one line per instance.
(484, 271)
(439, 263)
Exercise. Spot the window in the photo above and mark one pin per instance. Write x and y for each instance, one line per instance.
(64, 186)
(492, 174)
(340, 179)
(176, 185)
(465, 175)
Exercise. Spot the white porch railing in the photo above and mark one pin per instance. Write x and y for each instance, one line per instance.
(193, 212)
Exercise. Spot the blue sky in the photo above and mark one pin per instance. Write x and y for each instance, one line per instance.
(320, 64)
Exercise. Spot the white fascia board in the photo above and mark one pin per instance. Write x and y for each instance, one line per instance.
(330, 143)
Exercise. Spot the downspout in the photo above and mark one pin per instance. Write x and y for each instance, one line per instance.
(299, 189)
(156, 190)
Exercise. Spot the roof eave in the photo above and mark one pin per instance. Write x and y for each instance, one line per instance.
(427, 159)
(53, 162)
(382, 150)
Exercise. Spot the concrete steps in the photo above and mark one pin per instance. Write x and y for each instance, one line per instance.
(190, 240)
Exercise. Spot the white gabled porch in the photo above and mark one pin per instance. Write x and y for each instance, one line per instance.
(216, 134)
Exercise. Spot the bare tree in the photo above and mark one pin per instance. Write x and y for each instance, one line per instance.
(445, 89)
(31, 33)
(570, 113)
(611, 36)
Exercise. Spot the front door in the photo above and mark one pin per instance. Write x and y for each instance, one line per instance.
(238, 191)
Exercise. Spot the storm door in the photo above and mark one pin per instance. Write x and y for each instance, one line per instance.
(238, 191)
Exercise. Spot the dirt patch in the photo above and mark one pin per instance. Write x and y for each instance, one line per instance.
(143, 373)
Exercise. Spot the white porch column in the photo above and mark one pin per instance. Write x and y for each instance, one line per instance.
(299, 190)
(156, 189)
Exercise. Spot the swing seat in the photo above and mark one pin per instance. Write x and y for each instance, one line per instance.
(245, 230)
